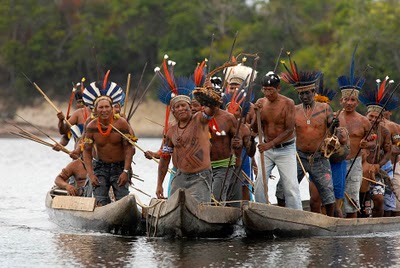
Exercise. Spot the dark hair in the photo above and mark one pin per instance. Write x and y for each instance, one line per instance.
(78, 95)
(271, 79)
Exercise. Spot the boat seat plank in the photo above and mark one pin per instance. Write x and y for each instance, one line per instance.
(74, 203)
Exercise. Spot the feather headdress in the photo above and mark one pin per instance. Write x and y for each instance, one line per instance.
(351, 84)
(172, 89)
(325, 95)
(237, 74)
(96, 91)
(300, 80)
(375, 99)
(200, 73)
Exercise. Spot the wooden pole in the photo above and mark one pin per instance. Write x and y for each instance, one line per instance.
(128, 85)
(263, 171)
(137, 146)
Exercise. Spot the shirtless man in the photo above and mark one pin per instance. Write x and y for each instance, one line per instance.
(312, 122)
(78, 171)
(394, 130)
(114, 154)
(222, 148)
(249, 146)
(188, 143)
(357, 126)
(375, 160)
(278, 144)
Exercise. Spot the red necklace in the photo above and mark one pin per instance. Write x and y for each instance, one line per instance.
(109, 127)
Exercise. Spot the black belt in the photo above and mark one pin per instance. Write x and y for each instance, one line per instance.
(284, 144)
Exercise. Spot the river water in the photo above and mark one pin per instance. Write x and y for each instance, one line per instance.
(29, 239)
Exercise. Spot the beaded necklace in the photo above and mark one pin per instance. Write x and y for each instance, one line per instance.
(109, 127)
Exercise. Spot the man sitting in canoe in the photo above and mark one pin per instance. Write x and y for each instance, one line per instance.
(78, 171)
(188, 143)
(112, 167)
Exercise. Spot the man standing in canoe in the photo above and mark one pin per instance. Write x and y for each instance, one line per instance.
(188, 144)
(112, 167)
(357, 126)
(312, 121)
(277, 115)
(378, 152)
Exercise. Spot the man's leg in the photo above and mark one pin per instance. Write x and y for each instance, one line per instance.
(285, 159)
(352, 188)
(259, 195)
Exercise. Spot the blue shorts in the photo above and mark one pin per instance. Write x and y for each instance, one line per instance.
(338, 178)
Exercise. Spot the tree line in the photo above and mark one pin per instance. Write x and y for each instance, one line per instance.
(58, 42)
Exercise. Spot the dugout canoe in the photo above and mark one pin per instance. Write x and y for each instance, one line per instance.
(182, 216)
(273, 221)
(120, 217)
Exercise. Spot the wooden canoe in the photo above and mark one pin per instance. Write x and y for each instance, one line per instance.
(120, 217)
(273, 221)
(182, 216)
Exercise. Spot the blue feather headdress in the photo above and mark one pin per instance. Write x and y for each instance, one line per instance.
(376, 99)
(351, 85)
(171, 86)
(325, 95)
(301, 80)
(96, 91)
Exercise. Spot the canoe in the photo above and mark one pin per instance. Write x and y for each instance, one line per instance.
(273, 221)
(182, 216)
(120, 217)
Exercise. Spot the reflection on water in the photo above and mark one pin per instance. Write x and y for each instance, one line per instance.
(29, 239)
(93, 249)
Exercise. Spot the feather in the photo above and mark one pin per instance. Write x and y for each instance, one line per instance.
(168, 77)
(199, 73)
(381, 90)
(352, 78)
(167, 112)
(106, 79)
(293, 66)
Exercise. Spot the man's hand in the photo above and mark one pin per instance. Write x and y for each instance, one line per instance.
(160, 192)
(94, 180)
(71, 190)
(258, 106)
(237, 143)
(363, 144)
(60, 116)
(151, 155)
(123, 179)
(262, 147)
(57, 147)
(335, 123)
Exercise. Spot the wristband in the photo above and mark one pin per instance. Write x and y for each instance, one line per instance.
(126, 171)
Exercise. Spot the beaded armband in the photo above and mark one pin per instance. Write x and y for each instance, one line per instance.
(87, 141)
(396, 137)
(132, 137)
(167, 149)
(206, 116)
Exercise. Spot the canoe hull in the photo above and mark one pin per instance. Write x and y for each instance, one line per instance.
(182, 216)
(271, 221)
(120, 217)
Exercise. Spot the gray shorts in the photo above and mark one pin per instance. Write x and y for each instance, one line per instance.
(320, 174)
(197, 184)
(108, 175)
(353, 184)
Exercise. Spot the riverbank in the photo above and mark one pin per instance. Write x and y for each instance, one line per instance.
(146, 122)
